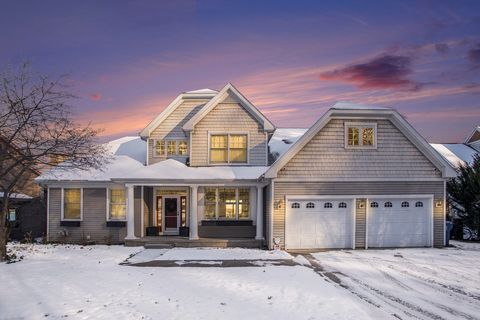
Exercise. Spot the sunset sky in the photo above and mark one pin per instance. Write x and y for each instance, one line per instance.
(127, 60)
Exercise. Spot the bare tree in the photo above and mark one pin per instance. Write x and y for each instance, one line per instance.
(36, 126)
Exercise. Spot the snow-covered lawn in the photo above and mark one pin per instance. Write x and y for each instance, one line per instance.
(54, 282)
(412, 283)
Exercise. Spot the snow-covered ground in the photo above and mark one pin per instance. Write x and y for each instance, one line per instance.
(413, 283)
(53, 282)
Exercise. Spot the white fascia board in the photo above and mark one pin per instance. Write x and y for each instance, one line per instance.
(447, 170)
(467, 140)
(221, 95)
(162, 116)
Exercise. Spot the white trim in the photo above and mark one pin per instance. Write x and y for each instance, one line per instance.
(142, 212)
(172, 107)
(272, 207)
(48, 213)
(354, 222)
(367, 212)
(397, 120)
(444, 213)
(62, 203)
(218, 98)
(360, 126)
(228, 134)
(467, 140)
(266, 149)
(148, 147)
(108, 204)
(350, 179)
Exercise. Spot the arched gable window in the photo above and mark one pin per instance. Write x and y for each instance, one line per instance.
(388, 204)
(374, 204)
(405, 204)
(328, 205)
(342, 205)
(419, 204)
(310, 205)
(295, 205)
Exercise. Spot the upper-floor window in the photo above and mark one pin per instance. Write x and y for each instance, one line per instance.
(360, 135)
(72, 204)
(171, 147)
(159, 147)
(117, 206)
(228, 148)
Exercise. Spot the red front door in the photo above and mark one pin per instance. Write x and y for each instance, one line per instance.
(171, 213)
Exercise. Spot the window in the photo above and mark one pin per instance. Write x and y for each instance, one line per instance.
(72, 206)
(295, 205)
(342, 205)
(12, 215)
(182, 148)
(159, 147)
(328, 205)
(405, 204)
(228, 148)
(227, 203)
(361, 135)
(210, 203)
(238, 148)
(310, 205)
(117, 204)
(374, 205)
(388, 204)
(243, 203)
(419, 204)
(171, 147)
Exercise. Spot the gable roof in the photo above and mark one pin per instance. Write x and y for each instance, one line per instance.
(196, 94)
(474, 136)
(440, 163)
(219, 97)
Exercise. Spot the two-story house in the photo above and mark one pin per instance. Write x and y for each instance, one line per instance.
(212, 166)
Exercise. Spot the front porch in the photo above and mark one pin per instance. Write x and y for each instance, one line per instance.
(210, 215)
(184, 242)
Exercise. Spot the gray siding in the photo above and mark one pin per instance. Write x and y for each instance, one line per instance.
(325, 156)
(94, 219)
(148, 206)
(282, 189)
(228, 116)
(360, 223)
(171, 127)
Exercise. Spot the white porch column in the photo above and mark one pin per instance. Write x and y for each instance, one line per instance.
(130, 214)
(193, 213)
(259, 235)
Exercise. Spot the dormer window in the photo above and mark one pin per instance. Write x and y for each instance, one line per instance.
(360, 135)
(228, 148)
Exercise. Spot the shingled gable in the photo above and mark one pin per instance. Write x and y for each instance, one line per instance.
(385, 113)
(222, 94)
(197, 94)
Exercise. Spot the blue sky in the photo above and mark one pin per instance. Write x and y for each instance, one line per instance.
(127, 60)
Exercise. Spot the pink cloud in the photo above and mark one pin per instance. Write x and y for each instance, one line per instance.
(95, 97)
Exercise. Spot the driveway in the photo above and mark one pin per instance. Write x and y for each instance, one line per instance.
(411, 283)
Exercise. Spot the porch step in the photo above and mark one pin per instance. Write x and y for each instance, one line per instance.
(181, 242)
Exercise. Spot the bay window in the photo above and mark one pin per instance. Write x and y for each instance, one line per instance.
(227, 203)
(228, 148)
(117, 206)
(72, 204)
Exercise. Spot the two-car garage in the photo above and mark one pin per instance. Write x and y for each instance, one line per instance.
(314, 222)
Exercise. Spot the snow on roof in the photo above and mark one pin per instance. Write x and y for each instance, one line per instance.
(16, 196)
(206, 90)
(133, 147)
(455, 153)
(283, 139)
(127, 162)
(126, 168)
(346, 105)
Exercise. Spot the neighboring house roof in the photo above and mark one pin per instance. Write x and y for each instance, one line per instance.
(349, 110)
(127, 163)
(206, 94)
(456, 153)
(16, 196)
(221, 95)
(283, 139)
(474, 136)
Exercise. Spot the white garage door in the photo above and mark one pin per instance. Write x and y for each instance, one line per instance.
(314, 223)
(399, 222)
